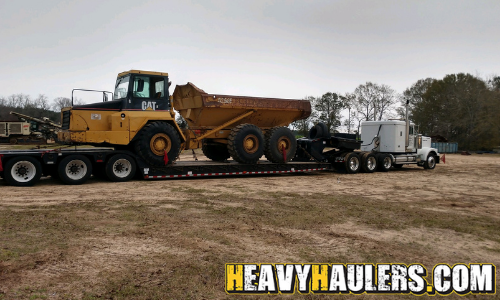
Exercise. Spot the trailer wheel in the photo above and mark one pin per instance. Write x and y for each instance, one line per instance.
(120, 168)
(384, 162)
(156, 138)
(22, 171)
(246, 143)
(352, 163)
(74, 169)
(368, 162)
(430, 162)
(215, 152)
(277, 139)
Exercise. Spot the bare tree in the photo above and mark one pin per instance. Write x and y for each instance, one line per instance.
(373, 102)
(62, 102)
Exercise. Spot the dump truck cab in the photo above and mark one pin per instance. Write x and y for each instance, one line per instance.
(139, 97)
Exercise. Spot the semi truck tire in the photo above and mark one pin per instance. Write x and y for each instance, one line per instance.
(276, 139)
(120, 168)
(384, 162)
(246, 144)
(368, 162)
(74, 169)
(215, 152)
(22, 171)
(156, 138)
(352, 163)
(430, 162)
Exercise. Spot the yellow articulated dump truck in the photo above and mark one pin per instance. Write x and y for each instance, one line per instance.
(141, 118)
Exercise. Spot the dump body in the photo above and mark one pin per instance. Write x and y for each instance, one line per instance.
(204, 111)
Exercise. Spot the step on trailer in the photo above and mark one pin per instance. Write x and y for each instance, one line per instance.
(75, 165)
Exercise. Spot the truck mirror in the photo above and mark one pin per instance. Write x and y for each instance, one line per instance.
(140, 85)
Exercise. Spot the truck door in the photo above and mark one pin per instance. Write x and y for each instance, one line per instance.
(149, 93)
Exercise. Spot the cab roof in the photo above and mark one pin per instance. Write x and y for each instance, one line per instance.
(142, 72)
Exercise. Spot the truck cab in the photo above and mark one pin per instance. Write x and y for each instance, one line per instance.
(401, 142)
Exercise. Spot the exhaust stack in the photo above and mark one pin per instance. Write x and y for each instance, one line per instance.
(407, 137)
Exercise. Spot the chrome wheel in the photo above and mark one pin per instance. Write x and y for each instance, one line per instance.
(371, 163)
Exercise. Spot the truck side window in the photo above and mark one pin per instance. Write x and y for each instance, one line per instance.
(149, 87)
(411, 130)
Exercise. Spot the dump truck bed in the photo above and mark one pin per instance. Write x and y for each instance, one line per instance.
(202, 110)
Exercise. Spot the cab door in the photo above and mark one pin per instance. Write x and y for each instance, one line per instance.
(149, 93)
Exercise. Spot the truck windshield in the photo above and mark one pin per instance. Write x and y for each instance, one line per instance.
(121, 87)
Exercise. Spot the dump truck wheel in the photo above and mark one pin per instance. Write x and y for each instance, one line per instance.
(384, 162)
(352, 163)
(156, 138)
(74, 169)
(276, 139)
(120, 168)
(22, 171)
(246, 144)
(215, 152)
(368, 162)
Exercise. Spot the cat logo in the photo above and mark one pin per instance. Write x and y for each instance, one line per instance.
(148, 105)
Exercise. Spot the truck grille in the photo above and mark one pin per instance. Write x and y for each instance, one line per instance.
(65, 119)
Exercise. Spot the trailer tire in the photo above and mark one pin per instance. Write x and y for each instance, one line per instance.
(276, 138)
(22, 171)
(318, 131)
(368, 162)
(384, 162)
(74, 169)
(156, 138)
(120, 168)
(215, 152)
(352, 163)
(430, 162)
(246, 144)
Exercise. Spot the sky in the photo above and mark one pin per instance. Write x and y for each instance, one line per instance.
(283, 49)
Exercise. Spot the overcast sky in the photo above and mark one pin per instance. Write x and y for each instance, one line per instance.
(286, 49)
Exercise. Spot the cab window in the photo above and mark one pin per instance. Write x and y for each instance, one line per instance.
(149, 87)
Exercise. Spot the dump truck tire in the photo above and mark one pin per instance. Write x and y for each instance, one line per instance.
(368, 162)
(215, 152)
(276, 138)
(246, 144)
(120, 168)
(318, 131)
(156, 138)
(22, 171)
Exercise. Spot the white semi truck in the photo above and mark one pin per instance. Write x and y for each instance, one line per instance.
(396, 143)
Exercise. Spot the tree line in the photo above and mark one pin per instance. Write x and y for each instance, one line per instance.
(460, 107)
(37, 107)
